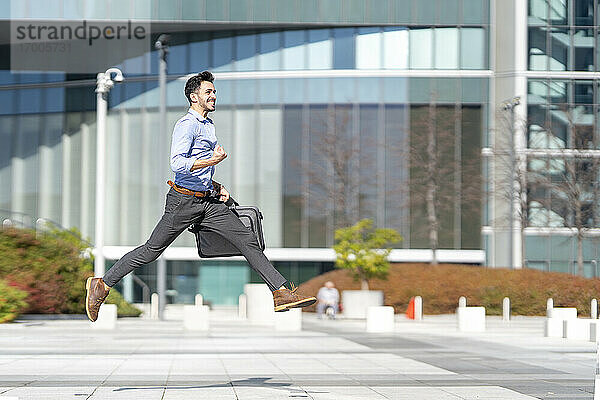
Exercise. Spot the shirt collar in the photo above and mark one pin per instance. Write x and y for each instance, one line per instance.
(196, 114)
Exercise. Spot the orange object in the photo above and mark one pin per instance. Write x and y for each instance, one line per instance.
(410, 310)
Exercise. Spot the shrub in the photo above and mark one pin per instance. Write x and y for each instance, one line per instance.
(363, 250)
(48, 267)
(442, 285)
(124, 309)
(11, 302)
(52, 268)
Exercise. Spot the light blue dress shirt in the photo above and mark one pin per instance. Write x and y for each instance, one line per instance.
(193, 138)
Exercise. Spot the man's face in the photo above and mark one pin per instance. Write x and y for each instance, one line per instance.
(206, 96)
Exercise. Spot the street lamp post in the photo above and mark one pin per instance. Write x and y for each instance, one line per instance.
(104, 82)
(162, 45)
(510, 105)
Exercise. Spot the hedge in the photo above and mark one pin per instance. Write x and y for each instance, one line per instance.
(441, 286)
(52, 268)
(11, 302)
(124, 309)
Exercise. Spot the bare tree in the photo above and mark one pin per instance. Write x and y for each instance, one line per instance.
(332, 170)
(511, 179)
(570, 175)
(438, 167)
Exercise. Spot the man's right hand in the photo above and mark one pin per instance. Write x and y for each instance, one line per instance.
(218, 155)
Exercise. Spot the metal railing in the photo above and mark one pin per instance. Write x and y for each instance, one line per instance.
(22, 220)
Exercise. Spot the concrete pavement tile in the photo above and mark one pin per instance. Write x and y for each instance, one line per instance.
(275, 381)
(271, 393)
(50, 393)
(186, 393)
(342, 393)
(137, 392)
(485, 392)
(411, 393)
(403, 365)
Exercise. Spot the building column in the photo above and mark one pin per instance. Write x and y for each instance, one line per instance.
(509, 44)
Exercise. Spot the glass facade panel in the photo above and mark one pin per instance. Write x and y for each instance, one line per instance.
(395, 48)
(294, 51)
(421, 43)
(475, 12)
(292, 175)
(245, 48)
(368, 48)
(344, 48)
(446, 48)
(269, 44)
(472, 48)
(222, 54)
(583, 42)
(561, 36)
(320, 49)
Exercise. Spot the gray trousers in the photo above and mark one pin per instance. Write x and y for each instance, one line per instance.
(182, 210)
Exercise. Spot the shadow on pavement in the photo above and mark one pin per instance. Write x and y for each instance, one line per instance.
(249, 382)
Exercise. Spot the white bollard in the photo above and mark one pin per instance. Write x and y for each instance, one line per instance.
(462, 301)
(597, 377)
(418, 308)
(198, 300)
(107, 317)
(259, 304)
(549, 306)
(594, 309)
(195, 318)
(242, 306)
(506, 309)
(471, 319)
(289, 321)
(154, 306)
(380, 319)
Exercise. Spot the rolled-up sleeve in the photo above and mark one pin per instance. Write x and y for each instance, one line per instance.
(183, 138)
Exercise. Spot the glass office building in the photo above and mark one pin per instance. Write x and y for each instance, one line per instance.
(294, 78)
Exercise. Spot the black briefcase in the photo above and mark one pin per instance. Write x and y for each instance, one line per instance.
(211, 244)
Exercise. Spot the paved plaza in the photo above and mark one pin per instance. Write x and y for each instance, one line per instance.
(145, 359)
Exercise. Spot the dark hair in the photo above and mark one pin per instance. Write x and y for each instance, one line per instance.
(195, 81)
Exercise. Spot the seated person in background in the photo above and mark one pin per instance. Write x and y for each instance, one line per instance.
(328, 296)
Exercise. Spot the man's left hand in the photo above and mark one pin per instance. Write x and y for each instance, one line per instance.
(223, 194)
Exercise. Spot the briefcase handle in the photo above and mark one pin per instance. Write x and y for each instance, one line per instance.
(231, 203)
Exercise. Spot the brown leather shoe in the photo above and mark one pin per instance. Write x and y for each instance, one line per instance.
(285, 299)
(96, 294)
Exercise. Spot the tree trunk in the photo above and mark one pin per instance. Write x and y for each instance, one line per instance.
(364, 284)
(431, 189)
(579, 227)
(579, 252)
(432, 220)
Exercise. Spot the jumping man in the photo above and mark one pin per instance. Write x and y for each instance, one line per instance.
(196, 198)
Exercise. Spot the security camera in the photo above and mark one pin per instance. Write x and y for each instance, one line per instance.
(162, 41)
(118, 74)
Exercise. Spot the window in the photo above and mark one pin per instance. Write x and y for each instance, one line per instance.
(320, 49)
(368, 48)
(420, 48)
(395, 48)
(446, 48)
(473, 48)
